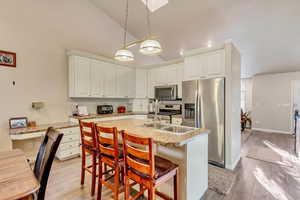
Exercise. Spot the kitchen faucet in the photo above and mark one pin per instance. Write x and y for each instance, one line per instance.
(156, 110)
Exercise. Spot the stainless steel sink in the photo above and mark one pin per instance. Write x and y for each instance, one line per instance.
(156, 125)
(178, 129)
(173, 129)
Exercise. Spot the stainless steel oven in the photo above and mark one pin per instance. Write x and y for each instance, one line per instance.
(166, 93)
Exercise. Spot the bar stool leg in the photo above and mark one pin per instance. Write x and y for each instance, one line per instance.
(99, 181)
(175, 185)
(116, 182)
(82, 168)
(94, 173)
(151, 193)
(127, 189)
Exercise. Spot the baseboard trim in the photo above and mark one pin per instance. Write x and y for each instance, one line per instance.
(232, 166)
(270, 131)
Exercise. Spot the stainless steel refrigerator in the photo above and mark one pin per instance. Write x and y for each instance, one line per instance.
(204, 107)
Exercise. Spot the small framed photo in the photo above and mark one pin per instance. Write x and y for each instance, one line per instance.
(18, 122)
(8, 59)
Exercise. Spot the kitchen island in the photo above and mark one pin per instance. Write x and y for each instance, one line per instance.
(188, 150)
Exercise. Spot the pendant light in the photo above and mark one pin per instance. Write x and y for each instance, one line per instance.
(150, 46)
(124, 55)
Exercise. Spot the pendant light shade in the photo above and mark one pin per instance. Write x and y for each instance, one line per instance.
(124, 55)
(150, 47)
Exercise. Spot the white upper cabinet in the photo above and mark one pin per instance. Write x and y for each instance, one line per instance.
(97, 71)
(109, 77)
(180, 75)
(216, 63)
(125, 79)
(79, 76)
(141, 83)
(166, 75)
(121, 85)
(205, 65)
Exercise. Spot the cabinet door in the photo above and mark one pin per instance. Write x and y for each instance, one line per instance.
(82, 77)
(141, 76)
(194, 67)
(180, 78)
(151, 83)
(109, 80)
(131, 83)
(121, 84)
(216, 63)
(97, 81)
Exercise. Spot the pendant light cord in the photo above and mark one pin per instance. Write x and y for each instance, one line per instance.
(125, 25)
(148, 19)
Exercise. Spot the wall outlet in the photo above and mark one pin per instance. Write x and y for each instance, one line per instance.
(257, 122)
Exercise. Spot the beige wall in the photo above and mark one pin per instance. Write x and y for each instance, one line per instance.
(272, 101)
(40, 31)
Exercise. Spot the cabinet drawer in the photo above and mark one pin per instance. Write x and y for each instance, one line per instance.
(68, 145)
(177, 121)
(70, 138)
(62, 155)
(70, 131)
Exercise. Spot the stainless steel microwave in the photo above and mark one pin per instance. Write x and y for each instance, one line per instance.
(166, 93)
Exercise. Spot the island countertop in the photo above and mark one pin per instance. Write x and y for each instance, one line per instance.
(136, 127)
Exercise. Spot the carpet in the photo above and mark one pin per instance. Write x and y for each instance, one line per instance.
(220, 180)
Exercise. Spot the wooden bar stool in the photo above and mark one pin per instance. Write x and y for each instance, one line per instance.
(111, 155)
(142, 167)
(88, 146)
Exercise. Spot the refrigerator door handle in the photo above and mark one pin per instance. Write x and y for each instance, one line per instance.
(200, 110)
(196, 110)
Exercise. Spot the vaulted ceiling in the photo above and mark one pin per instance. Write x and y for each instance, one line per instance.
(267, 32)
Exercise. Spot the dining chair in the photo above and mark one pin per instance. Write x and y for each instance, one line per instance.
(146, 169)
(88, 147)
(112, 156)
(45, 159)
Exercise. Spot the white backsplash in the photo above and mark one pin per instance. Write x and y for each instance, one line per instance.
(140, 105)
(92, 104)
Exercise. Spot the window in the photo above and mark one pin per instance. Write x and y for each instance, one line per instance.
(246, 94)
(153, 5)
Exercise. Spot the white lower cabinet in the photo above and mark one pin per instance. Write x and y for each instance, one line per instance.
(177, 121)
(70, 144)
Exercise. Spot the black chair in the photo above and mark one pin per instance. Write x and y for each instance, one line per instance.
(45, 159)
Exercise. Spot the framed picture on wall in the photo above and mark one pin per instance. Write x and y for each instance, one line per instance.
(8, 59)
(18, 122)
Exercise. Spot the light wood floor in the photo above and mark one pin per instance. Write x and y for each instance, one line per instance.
(257, 180)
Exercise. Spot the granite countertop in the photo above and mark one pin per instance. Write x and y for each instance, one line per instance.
(42, 127)
(91, 116)
(136, 127)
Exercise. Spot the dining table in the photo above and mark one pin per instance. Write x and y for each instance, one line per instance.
(17, 180)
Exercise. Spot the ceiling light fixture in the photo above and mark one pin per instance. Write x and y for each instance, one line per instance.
(150, 46)
(123, 54)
